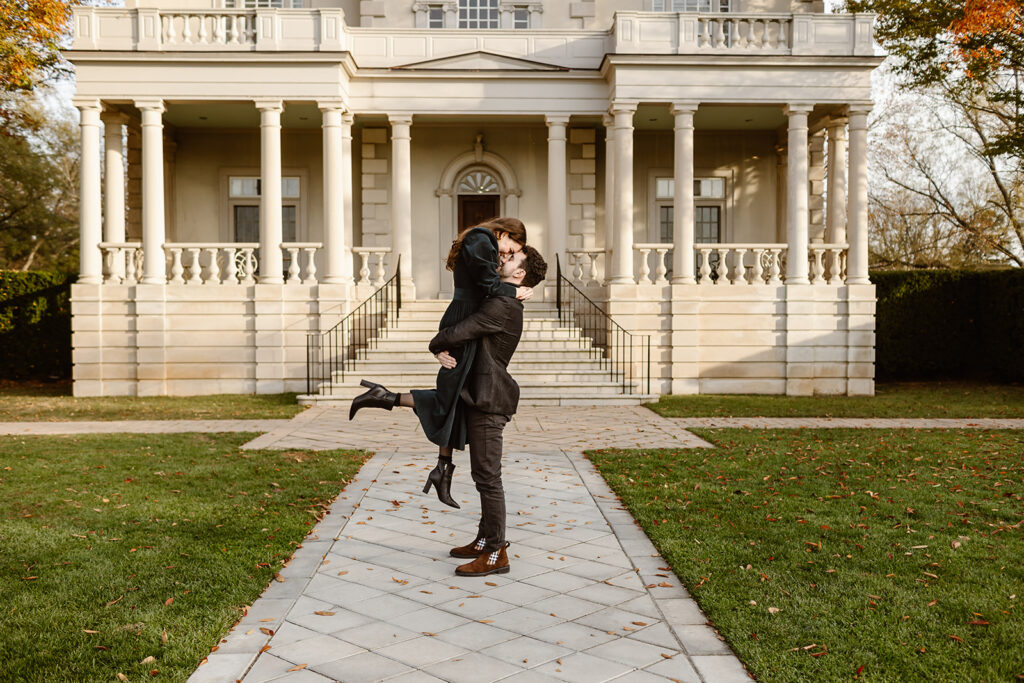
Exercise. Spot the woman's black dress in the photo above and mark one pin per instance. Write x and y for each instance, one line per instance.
(476, 277)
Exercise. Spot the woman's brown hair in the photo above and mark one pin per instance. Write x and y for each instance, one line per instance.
(513, 226)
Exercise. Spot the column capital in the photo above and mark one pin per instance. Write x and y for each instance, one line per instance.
(607, 120)
(859, 108)
(796, 108)
(400, 119)
(269, 104)
(84, 103)
(332, 104)
(348, 118)
(114, 117)
(684, 107)
(836, 122)
(556, 120)
(623, 107)
(150, 105)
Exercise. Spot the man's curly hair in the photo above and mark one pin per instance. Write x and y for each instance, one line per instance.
(535, 266)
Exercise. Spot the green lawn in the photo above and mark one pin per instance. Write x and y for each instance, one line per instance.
(903, 399)
(43, 401)
(117, 548)
(825, 554)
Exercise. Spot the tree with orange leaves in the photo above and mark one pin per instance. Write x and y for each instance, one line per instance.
(31, 32)
(974, 49)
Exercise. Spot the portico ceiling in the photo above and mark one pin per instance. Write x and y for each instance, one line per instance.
(238, 115)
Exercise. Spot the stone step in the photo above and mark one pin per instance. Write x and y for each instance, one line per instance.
(529, 345)
(578, 366)
(423, 337)
(351, 387)
(424, 377)
(565, 399)
(524, 356)
(428, 326)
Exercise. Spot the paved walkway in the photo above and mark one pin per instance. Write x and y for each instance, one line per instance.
(371, 594)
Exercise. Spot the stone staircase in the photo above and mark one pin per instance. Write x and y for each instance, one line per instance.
(552, 365)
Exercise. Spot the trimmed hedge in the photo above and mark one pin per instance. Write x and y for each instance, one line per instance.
(35, 325)
(949, 324)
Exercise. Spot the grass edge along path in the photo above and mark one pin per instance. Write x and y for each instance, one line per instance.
(838, 555)
(118, 548)
(891, 400)
(18, 406)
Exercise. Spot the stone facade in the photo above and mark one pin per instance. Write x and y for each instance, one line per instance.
(698, 168)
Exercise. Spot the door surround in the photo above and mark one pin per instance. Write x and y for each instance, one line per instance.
(448, 190)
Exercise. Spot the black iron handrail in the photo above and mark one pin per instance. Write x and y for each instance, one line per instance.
(610, 344)
(329, 354)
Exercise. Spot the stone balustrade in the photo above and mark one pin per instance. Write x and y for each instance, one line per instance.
(122, 262)
(204, 29)
(324, 29)
(208, 263)
(378, 255)
(583, 263)
(765, 264)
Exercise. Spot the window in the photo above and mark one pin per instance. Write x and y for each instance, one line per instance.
(709, 200)
(521, 17)
(691, 5)
(478, 14)
(244, 197)
(435, 16)
(264, 4)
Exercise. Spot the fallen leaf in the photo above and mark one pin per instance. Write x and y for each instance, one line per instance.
(956, 638)
(149, 659)
(266, 631)
(168, 601)
(264, 649)
(977, 622)
(121, 677)
(299, 667)
(322, 613)
(487, 621)
(639, 623)
(666, 656)
(114, 601)
(163, 638)
(773, 610)
(88, 631)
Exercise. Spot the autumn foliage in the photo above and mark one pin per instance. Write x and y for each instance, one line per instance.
(31, 32)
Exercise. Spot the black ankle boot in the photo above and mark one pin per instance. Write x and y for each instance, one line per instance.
(441, 479)
(377, 397)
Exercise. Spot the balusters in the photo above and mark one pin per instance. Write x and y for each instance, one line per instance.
(213, 274)
(109, 256)
(195, 270)
(757, 274)
(378, 275)
(202, 35)
(186, 31)
(176, 267)
(740, 270)
(132, 265)
(816, 264)
(364, 270)
(248, 266)
(645, 268)
(577, 268)
(293, 265)
(230, 267)
(310, 275)
(662, 270)
(705, 266)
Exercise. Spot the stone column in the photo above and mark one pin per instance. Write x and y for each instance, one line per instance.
(153, 230)
(622, 250)
(113, 165)
(336, 248)
(557, 188)
(347, 119)
(798, 188)
(836, 209)
(857, 220)
(90, 270)
(271, 261)
(401, 196)
(609, 192)
(683, 211)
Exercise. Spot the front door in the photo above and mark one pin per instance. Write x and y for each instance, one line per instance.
(477, 208)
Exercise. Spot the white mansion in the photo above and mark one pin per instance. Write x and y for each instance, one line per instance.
(254, 169)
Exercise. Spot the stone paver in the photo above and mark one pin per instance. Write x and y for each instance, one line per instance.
(139, 427)
(380, 601)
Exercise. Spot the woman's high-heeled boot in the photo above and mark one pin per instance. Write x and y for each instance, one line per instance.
(377, 397)
(441, 479)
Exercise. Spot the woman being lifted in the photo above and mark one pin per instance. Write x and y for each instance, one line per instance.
(473, 260)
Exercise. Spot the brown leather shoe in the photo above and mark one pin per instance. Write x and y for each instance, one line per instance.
(469, 551)
(494, 562)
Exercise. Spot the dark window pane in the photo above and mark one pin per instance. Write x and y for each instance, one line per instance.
(665, 220)
(247, 224)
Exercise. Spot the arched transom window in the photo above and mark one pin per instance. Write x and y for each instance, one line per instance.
(479, 182)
